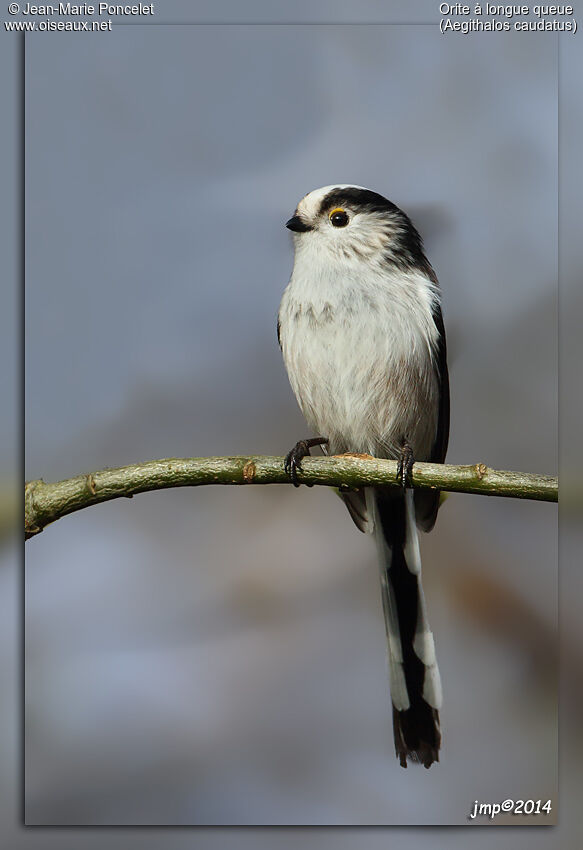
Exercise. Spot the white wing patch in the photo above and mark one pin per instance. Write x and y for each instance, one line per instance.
(412, 553)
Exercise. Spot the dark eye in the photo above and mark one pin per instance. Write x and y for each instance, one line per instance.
(338, 217)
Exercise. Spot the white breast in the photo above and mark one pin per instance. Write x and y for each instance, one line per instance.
(359, 351)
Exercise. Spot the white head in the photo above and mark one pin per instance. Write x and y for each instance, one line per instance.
(352, 223)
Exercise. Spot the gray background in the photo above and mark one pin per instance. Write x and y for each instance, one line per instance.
(188, 660)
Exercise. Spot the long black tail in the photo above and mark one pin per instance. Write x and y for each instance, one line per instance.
(415, 681)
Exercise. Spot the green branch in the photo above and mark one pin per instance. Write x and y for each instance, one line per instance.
(45, 503)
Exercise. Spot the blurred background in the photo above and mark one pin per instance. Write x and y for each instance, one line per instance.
(188, 660)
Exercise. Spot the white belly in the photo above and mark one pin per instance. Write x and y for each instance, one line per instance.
(361, 365)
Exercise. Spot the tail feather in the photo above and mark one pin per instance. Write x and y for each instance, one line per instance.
(414, 675)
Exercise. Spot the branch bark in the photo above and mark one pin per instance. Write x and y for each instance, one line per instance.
(45, 503)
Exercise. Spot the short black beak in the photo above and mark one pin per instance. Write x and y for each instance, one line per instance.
(297, 224)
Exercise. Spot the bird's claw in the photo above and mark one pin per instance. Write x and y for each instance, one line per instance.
(293, 459)
(405, 467)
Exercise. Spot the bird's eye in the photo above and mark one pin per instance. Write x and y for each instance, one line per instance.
(338, 217)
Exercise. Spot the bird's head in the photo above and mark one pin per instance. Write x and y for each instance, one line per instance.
(354, 224)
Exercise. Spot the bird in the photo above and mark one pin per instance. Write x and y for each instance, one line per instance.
(361, 331)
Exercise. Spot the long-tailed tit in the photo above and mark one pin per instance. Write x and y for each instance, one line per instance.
(363, 341)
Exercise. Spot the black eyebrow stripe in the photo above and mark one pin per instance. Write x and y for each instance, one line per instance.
(364, 199)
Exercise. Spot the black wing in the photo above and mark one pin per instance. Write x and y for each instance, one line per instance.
(442, 436)
(427, 502)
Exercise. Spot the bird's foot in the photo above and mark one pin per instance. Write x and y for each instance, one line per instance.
(293, 459)
(405, 467)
